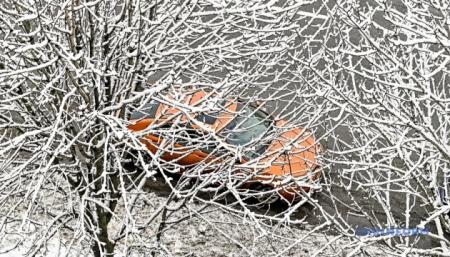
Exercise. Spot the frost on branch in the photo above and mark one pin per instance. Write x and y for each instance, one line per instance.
(367, 78)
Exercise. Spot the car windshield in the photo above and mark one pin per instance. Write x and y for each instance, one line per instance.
(249, 125)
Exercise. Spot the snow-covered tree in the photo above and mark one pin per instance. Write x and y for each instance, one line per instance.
(72, 72)
(385, 72)
(368, 78)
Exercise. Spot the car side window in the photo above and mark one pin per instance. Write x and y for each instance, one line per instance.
(147, 111)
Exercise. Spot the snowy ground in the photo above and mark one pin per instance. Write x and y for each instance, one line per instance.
(205, 232)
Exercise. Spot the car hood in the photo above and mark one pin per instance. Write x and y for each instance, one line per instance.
(293, 153)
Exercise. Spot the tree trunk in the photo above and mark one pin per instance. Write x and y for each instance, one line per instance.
(103, 247)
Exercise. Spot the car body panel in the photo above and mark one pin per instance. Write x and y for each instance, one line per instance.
(293, 153)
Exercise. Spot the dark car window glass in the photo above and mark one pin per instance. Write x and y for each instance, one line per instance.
(207, 118)
(246, 127)
(194, 137)
(211, 117)
(147, 111)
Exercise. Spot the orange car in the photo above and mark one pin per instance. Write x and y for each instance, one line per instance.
(286, 164)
